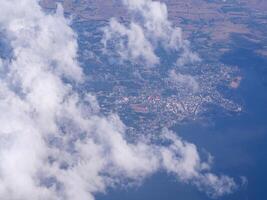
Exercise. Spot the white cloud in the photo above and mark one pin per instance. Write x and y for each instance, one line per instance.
(54, 144)
(130, 42)
(156, 23)
(149, 28)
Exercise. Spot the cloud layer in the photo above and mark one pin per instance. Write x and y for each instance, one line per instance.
(54, 143)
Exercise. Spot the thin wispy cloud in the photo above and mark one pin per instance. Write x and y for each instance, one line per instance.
(184, 80)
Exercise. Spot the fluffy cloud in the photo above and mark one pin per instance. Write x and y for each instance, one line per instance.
(54, 143)
(149, 29)
(130, 42)
(155, 22)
